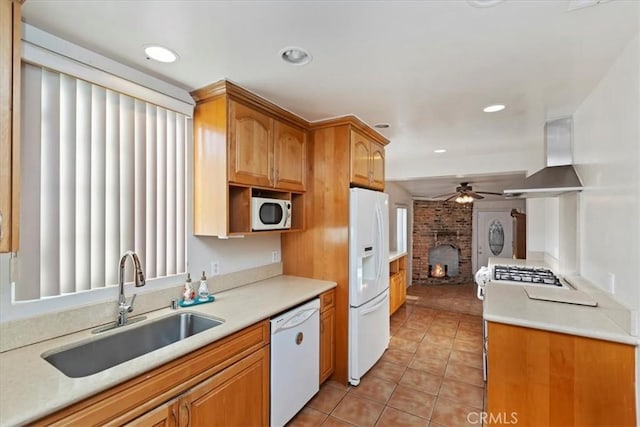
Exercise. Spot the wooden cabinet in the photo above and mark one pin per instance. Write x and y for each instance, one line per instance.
(165, 415)
(327, 334)
(10, 28)
(244, 146)
(322, 251)
(265, 152)
(250, 146)
(224, 383)
(397, 283)
(237, 396)
(290, 157)
(548, 378)
(367, 162)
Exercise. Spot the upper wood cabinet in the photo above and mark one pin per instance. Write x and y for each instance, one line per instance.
(367, 162)
(264, 151)
(290, 157)
(250, 146)
(10, 27)
(244, 146)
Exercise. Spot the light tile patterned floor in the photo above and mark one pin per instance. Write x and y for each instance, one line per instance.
(431, 375)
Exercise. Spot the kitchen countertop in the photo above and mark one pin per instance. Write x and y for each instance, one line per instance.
(32, 388)
(509, 304)
(395, 255)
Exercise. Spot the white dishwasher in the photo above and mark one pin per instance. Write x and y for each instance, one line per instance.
(295, 360)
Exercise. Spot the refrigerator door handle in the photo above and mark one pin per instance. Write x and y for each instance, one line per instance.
(374, 308)
(380, 242)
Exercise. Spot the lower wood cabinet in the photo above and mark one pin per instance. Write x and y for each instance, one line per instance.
(397, 283)
(327, 335)
(223, 384)
(237, 396)
(542, 378)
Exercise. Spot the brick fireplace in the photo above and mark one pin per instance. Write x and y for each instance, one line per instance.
(442, 233)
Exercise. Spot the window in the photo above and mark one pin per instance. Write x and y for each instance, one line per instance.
(101, 173)
(401, 228)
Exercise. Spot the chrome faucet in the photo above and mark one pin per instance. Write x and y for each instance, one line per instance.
(124, 308)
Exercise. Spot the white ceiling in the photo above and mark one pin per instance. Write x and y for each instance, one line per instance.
(426, 67)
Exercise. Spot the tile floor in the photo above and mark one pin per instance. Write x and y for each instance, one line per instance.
(431, 375)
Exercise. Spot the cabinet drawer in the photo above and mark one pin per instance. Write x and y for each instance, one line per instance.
(327, 300)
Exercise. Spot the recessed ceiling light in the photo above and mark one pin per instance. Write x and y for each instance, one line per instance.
(382, 126)
(160, 54)
(440, 151)
(295, 55)
(493, 108)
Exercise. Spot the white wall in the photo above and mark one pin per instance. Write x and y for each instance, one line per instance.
(607, 157)
(400, 196)
(606, 153)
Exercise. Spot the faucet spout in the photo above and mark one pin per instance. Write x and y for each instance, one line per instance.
(139, 280)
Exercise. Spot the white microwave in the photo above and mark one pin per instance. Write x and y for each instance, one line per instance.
(270, 214)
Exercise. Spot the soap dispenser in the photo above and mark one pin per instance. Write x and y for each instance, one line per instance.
(203, 290)
(188, 293)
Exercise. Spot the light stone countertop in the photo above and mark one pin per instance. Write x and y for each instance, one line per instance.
(509, 304)
(395, 255)
(32, 388)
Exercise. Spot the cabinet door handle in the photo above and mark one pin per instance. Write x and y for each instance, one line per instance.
(187, 412)
(174, 415)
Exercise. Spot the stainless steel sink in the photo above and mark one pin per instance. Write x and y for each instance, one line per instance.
(96, 355)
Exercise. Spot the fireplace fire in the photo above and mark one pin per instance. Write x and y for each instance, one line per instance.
(438, 270)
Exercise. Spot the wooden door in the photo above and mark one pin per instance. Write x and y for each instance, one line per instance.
(250, 146)
(327, 343)
(360, 159)
(377, 166)
(165, 415)
(290, 157)
(236, 396)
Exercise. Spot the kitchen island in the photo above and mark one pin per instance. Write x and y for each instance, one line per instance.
(552, 363)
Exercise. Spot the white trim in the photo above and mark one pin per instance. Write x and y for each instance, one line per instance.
(47, 50)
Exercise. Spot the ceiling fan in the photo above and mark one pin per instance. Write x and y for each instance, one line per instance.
(465, 194)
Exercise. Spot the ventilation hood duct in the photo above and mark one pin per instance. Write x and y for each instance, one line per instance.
(559, 176)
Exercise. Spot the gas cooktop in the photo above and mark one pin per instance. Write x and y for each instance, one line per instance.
(525, 275)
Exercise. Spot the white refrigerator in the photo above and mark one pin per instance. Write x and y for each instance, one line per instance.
(368, 280)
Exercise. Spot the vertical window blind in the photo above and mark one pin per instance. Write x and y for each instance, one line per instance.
(101, 173)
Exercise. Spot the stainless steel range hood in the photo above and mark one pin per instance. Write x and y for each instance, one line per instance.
(559, 176)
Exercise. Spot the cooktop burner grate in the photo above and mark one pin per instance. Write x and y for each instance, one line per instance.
(540, 276)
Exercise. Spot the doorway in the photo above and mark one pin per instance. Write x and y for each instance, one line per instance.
(494, 236)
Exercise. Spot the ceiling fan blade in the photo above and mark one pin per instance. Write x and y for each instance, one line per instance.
(490, 192)
(474, 195)
(442, 195)
(453, 196)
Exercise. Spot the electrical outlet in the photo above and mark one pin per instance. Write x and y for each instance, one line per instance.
(215, 268)
(275, 256)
